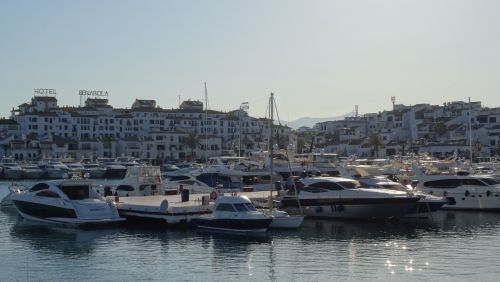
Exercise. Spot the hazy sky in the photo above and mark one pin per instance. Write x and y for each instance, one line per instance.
(320, 58)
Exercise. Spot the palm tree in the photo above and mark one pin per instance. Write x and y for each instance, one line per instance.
(376, 143)
(402, 144)
(192, 140)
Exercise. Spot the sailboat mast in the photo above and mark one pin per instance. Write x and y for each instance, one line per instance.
(470, 133)
(205, 124)
(271, 147)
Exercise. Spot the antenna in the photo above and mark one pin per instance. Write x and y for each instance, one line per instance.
(393, 100)
(355, 110)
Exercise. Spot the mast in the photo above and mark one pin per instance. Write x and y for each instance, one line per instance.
(205, 124)
(470, 133)
(271, 148)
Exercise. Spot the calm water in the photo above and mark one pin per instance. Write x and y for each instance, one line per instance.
(454, 246)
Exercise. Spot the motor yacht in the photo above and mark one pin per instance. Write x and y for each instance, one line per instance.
(336, 197)
(234, 214)
(11, 169)
(463, 192)
(94, 170)
(140, 181)
(113, 169)
(66, 202)
(75, 169)
(54, 169)
(423, 208)
(32, 171)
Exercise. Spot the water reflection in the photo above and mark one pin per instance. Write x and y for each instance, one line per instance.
(65, 241)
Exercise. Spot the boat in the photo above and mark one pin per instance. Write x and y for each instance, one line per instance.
(113, 169)
(54, 169)
(423, 208)
(75, 169)
(343, 198)
(140, 181)
(11, 169)
(94, 170)
(463, 192)
(280, 219)
(127, 161)
(234, 214)
(32, 171)
(65, 202)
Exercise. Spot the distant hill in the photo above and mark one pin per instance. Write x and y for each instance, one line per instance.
(310, 121)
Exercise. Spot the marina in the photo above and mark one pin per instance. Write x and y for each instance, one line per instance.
(320, 250)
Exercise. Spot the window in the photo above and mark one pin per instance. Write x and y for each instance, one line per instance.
(126, 188)
(326, 185)
(47, 193)
(240, 207)
(443, 183)
(250, 207)
(490, 181)
(472, 181)
(76, 192)
(39, 186)
(225, 207)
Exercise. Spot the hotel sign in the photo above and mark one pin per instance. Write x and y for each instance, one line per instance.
(96, 93)
(44, 91)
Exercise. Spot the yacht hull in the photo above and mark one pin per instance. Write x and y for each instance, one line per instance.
(12, 174)
(351, 208)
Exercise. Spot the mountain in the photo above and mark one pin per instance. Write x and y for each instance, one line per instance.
(310, 121)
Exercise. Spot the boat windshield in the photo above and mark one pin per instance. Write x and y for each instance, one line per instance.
(76, 192)
(240, 207)
(349, 184)
(250, 207)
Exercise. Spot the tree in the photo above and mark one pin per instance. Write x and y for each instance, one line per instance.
(402, 144)
(376, 143)
(192, 141)
(439, 128)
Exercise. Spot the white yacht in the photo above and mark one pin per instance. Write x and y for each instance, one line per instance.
(11, 169)
(54, 169)
(113, 169)
(234, 214)
(32, 171)
(75, 169)
(336, 197)
(464, 192)
(424, 207)
(127, 161)
(66, 202)
(140, 181)
(95, 170)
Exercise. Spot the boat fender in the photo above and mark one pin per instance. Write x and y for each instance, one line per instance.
(488, 193)
(467, 193)
(164, 206)
(213, 195)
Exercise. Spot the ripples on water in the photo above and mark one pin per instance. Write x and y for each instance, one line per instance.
(453, 246)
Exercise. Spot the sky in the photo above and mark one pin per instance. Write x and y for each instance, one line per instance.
(319, 58)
